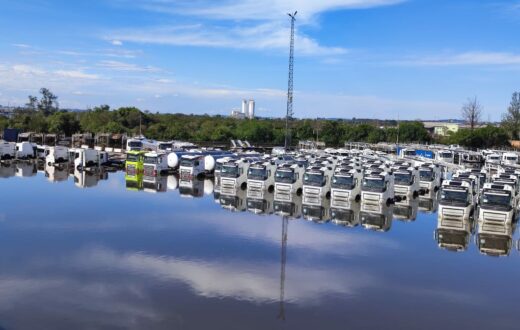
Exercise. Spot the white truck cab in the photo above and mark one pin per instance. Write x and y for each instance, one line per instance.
(457, 200)
(497, 206)
(345, 186)
(316, 182)
(493, 158)
(376, 216)
(507, 179)
(446, 156)
(377, 188)
(260, 176)
(57, 155)
(233, 175)
(155, 164)
(406, 182)
(288, 179)
(429, 178)
(510, 158)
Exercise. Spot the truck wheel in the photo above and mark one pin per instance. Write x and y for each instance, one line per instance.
(200, 176)
(243, 186)
(270, 189)
(358, 198)
(415, 194)
(389, 202)
(327, 195)
(299, 191)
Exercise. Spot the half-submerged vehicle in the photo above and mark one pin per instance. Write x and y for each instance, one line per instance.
(497, 206)
(377, 187)
(155, 164)
(57, 155)
(406, 182)
(288, 179)
(134, 164)
(260, 176)
(316, 182)
(233, 175)
(457, 200)
(345, 186)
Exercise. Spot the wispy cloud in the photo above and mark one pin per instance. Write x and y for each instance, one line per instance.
(123, 66)
(76, 74)
(266, 36)
(465, 58)
(257, 10)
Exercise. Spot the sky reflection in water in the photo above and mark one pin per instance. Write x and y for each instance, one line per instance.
(108, 257)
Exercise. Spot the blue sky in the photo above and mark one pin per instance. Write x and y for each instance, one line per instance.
(416, 59)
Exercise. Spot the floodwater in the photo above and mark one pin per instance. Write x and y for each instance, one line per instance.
(118, 255)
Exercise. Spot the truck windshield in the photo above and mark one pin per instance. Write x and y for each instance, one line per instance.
(409, 153)
(286, 176)
(374, 184)
(314, 179)
(404, 179)
(151, 160)
(489, 199)
(135, 144)
(229, 171)
(132, 157)
(187, 162)
(460, 196)
(257, 174)
(511, 158)
(344, 182)
(446, 155)
(165, 146)
(426, 175)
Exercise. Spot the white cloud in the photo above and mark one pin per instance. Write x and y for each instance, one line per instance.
(27, 69)
(22, 45)
(466, 58)
(123, 66)
(266, 36)
(76, 74)
(117, 42)
(258, 10)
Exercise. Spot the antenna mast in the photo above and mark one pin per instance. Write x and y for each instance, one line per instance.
(290, 113)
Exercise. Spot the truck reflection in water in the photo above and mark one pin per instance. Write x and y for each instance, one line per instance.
(406, 210)
(155, 184)
(375, 216)
(7, 170)
(56, 173)
(88, 179)
(260, 201)
(316, 209)
(233, 199)
(347, 215)
(288, 205)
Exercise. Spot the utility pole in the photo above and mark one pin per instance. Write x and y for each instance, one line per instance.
(285, 224)
(289, 113)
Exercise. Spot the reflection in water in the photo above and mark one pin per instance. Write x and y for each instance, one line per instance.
(347, 216)
(316, 210)
(7, 170)
(376, 217)
(26, 169)
(57, 173)
(429, 202)
(260, 202)
(88, 179)
(406, 209)
(233, 200)
(495, 239)
(109, 266)
(288, 205)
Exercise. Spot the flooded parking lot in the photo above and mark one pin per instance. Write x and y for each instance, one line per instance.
(98, 251)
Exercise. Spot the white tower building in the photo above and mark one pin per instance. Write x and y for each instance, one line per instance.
(244, 107)
(251, 109)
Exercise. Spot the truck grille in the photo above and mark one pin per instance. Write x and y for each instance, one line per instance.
(149, 170)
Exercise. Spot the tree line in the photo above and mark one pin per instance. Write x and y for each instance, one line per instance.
(43, 115)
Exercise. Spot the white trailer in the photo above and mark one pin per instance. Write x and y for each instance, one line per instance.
(57, 155)
(509, 158)
(7, 150)
(86, 159)
(25, 150)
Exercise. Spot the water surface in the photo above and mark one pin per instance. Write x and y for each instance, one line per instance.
(116, 257)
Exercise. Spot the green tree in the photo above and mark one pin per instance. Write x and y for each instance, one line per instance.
(511, 120)
(48, 102)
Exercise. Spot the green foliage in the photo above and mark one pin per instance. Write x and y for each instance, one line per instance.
(485, 137)
(511, 120)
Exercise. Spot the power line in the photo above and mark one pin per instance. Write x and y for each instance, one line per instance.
(290, 113)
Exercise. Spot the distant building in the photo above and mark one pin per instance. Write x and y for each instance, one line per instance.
(6, 111)
(248, 110)
(439, 128)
